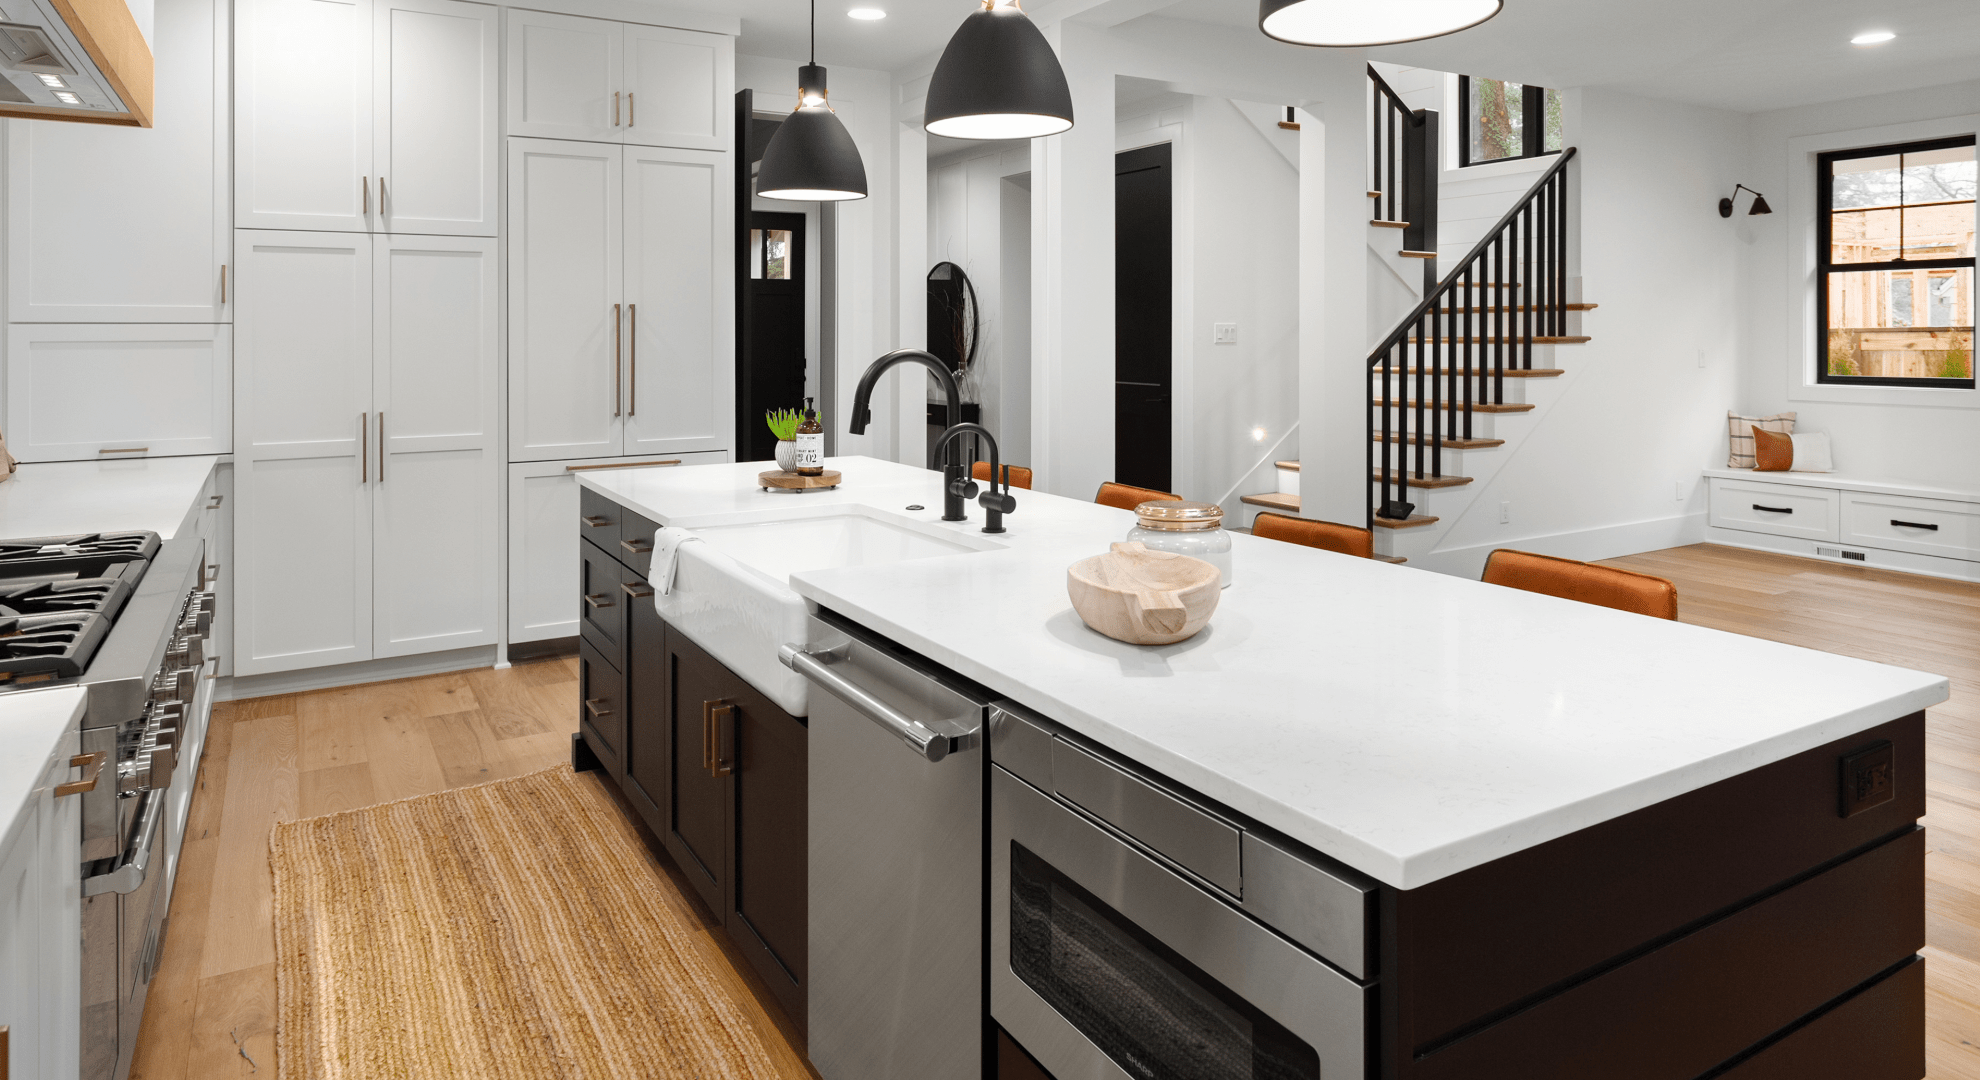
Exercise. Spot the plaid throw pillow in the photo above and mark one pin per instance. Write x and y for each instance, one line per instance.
(1740, 430)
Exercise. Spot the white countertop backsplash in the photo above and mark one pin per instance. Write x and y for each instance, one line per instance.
(1410, 724)
(32, 723)
(57, 498)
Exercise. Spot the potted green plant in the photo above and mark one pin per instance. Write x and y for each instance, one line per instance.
(783, 424)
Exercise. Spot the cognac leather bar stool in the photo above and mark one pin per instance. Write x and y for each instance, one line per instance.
(1624, 590)
(1325, 535)
(1017, 475)
(1127, 496)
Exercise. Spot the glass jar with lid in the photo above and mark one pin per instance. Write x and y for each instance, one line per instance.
(1186, 528)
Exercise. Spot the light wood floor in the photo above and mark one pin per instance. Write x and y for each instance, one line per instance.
(1914, 622)
(279, 758)
(211, 1012)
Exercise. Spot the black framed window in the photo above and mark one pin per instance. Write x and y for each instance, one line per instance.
(1894, 241)
(1507, 120)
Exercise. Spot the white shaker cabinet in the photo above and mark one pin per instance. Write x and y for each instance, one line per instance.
(83, 392)
(566, 353)
(572, 77)
(41, 923)
(680, 306)
(366, 116)
(304, 457)
(112, 224)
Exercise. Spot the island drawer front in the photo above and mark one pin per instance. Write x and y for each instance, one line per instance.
(602, 707)
(1939, 527)
(1192, 838)
(1871, 1035)
(599, 518)
(1781, 509)
(1699, 1001)
(602, 602)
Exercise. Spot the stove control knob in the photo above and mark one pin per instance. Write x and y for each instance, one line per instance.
(195, 652)
(173, 686)
(168, 737)
(164, 760)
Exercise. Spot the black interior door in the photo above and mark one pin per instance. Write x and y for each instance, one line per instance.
(773, 353)
(1142, 316)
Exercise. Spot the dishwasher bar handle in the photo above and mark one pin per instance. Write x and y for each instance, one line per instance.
(919, 737)
(129, 874)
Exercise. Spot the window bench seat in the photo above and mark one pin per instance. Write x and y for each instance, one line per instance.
(1845, 519)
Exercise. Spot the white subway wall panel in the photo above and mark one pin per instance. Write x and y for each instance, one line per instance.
(436, 66)
(75, 390)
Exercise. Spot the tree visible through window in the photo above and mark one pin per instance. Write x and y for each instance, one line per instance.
(1498, 115)
(1897, 260)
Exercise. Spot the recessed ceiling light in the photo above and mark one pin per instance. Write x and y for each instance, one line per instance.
(51, 80)
(1872, 37)
(866, 14)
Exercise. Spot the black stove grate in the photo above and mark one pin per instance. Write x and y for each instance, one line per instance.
(57, 596)
(77, 553)
(49, 646)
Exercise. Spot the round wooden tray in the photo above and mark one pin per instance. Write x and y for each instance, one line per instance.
(790, 481)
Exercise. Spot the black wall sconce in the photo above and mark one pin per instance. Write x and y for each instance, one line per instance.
(1759, 202)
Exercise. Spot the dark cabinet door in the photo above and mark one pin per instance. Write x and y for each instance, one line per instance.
(700, 731)
(601, 708)
(767, 898)
(646, 781)
(601, 603)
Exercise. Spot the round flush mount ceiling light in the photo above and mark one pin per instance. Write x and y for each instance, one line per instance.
(866, 14)
(1347, 23)
(1872, 37)
(998, 79)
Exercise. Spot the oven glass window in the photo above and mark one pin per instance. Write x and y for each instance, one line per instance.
(1158, 1016)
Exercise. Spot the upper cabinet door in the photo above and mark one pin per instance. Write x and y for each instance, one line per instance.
(114, 224)
(565, 78)
(302, 105)
(437, 477)
(679, 85)
(680, 315)
(108, 391)
(566, 308)
(435, 70)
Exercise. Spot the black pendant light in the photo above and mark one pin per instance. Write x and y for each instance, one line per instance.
(1344, 23)
(998, 79)
(811, 158)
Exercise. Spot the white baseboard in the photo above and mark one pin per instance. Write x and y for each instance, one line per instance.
(1587, 545)
(242, 687)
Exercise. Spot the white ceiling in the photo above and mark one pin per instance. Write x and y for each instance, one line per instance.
(1747, 55)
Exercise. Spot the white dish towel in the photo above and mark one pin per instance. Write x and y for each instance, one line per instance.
(667, 543)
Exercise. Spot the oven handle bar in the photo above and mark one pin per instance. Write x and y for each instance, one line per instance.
(129, 874)
(919, 738)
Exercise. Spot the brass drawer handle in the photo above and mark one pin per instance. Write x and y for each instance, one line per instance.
(598, 600)
(127, 450)
(596, 707)
(216, 501)
(717, 728)
(91, 762)
(596, 522)
(636, 588)
(637, 547)
(621, 465)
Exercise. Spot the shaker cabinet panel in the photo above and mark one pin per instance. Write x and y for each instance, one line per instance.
(566, 358)
(679, 87)
(564, 76)
(85, 392)
(435, 71)
(113, 224)
(701, 744)
(680, 321)
(303, 115)
(601, 708)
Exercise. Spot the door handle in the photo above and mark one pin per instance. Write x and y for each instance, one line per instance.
(223, 284)
(381, 446)
(632, 352)
(629, 108)
(718, 737)
(93, 766)
(596, 707)
(1774, 509)
(618, 363)
(364, 188)
(1916, 525)
(364, 447)
(615, 108)
(381, 196)
(636, 589)
(598, 600)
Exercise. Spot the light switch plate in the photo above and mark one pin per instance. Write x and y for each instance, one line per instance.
(1225, 333)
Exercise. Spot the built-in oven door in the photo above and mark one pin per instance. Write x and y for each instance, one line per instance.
(1109, 965)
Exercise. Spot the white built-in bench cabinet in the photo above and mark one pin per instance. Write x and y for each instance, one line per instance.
(1895, 526)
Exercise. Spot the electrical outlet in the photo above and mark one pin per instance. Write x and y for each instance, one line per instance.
(1869, 778)
(1701, 356)
(1678, 490)
(1505, 512)
(1226, 333)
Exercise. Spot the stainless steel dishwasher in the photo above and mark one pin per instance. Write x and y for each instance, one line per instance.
(898, 906)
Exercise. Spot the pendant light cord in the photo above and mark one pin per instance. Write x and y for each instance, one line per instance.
(814, 33)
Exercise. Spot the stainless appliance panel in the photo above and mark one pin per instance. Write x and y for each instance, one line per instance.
(1314, 1002)
(1188, 835)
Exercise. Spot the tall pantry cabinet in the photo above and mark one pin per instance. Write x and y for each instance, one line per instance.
(620, 249)
(367, 329)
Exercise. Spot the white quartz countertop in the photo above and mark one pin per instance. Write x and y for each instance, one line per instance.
(32, 723)
(1410, 724)
(59, 498)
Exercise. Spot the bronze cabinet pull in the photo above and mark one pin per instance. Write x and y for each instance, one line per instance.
(636, 547)
(708, 736)
(223, 283)
(596, 707)
(595, 521)
(618, 362)
(615, 108)
(598, 599)
(620, 465)
(126, 450)
(629, 108)
(381, 446)
(93, 764)
(718, 720)
(364, 447)
(636, 588)
(632, 359)
(364, 185)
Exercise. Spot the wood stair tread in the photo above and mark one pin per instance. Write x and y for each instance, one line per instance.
(1425, 482)
(1482, 373)
(1293, 465)
(1412, 522)
(1569, 339)
(1449, 444)
(1392, 560)
(1524, 307)
(1273, 500)
(1378, 222)
(1374, 194)
(1417, 254)
(1475, 406)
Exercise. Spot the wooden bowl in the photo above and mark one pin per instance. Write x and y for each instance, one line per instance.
(1144, 597)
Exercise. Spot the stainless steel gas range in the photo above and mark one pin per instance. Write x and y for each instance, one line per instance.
(125, 616)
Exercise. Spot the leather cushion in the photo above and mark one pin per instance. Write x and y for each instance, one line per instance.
(1624, 590)
(1127, 496)
(1018, 475)
(1772, 451)
(1326, 535)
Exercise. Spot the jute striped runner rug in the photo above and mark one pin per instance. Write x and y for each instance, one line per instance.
(510, 931)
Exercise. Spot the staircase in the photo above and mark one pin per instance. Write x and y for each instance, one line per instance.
(1474, 354)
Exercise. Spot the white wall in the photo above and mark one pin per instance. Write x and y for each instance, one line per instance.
(1929, 437)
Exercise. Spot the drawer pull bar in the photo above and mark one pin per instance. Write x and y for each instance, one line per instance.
(1774, 509)
(596, 707)
(92, 764)
(597, 522)
(126, 450)
(598, 599)
(1916, 525)
(637, 589)
(645, 547)
(620, 465)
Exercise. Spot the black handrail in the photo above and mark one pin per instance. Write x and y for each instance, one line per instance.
(1525, 250)
(1383, 85)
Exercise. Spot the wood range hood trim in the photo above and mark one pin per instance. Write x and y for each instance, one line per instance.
(116, 48)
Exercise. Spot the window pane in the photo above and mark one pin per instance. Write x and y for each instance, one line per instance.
(1494, 115)
(1860, 182)
(1938, 175)
(1944, 231)
(1901, 324)
(776, 254)
(1556, 138)
(1864, 235)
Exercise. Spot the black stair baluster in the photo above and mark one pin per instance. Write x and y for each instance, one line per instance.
(1471, 296)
